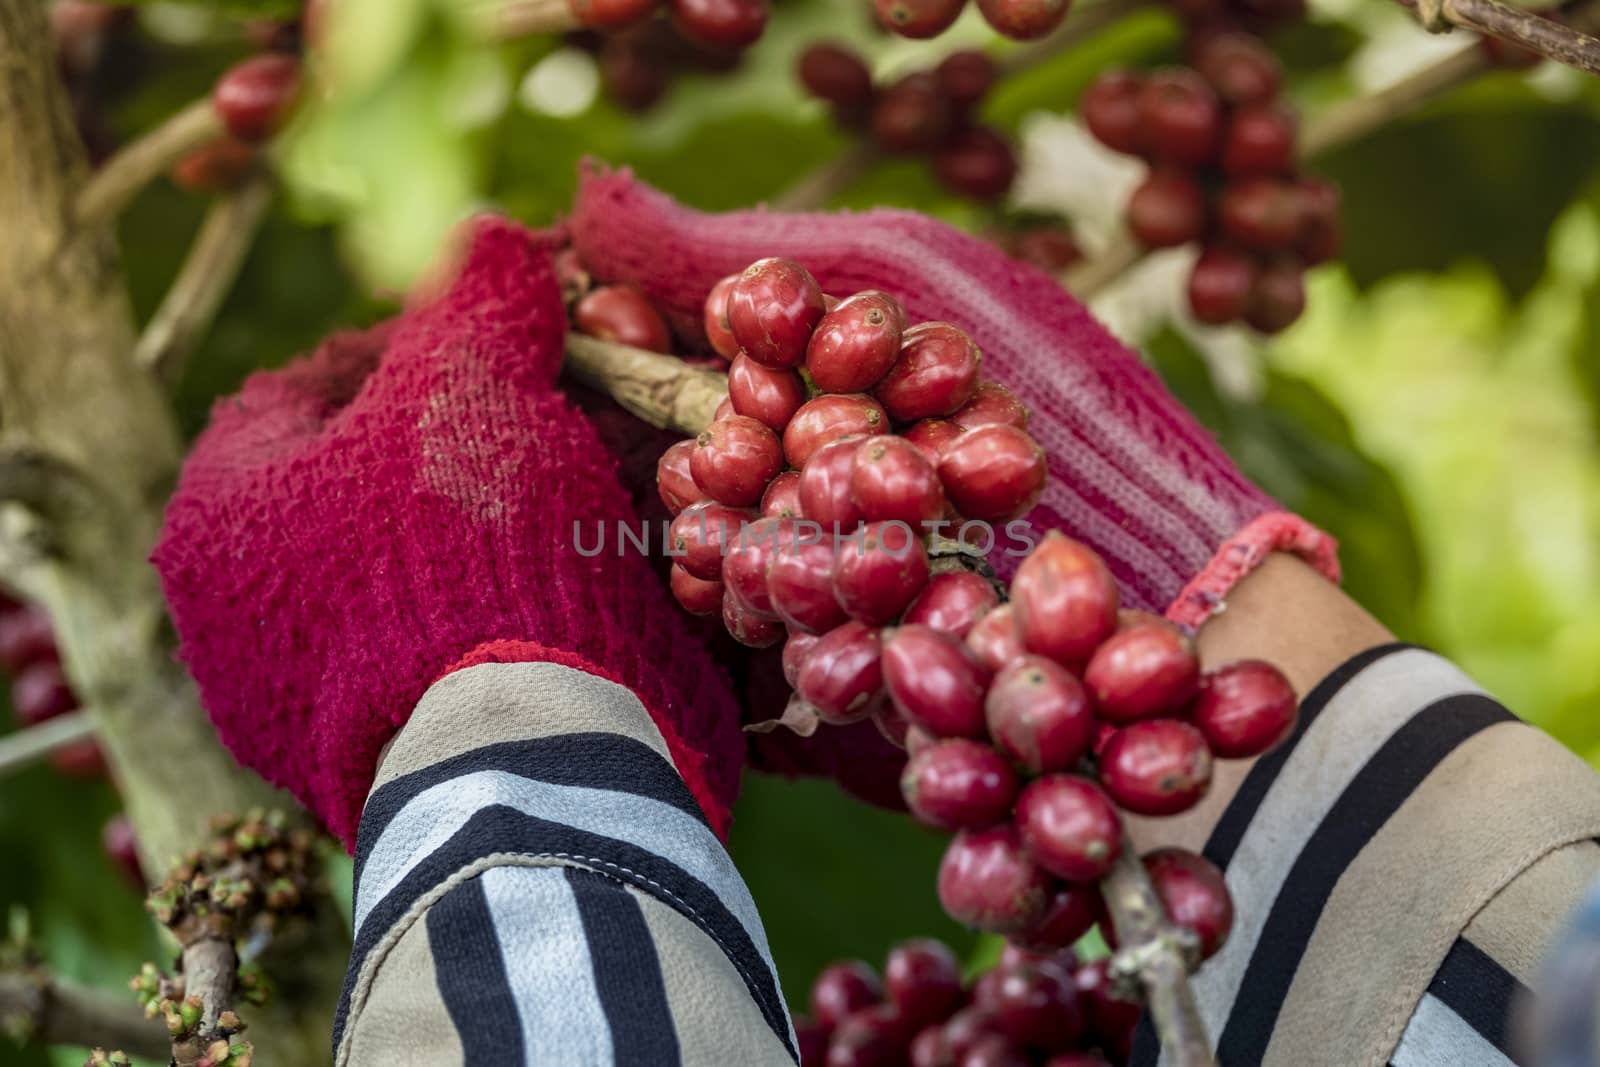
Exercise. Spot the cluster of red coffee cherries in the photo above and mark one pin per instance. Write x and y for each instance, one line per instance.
(1021, 20)
(639, 63)
(800, 511)
(252, 98)
(1031, 1010)
(1048, 246)
(1223, 175)
(925, 113)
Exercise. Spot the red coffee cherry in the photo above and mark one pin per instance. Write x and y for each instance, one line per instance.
(856, 343)
(836, 74)
(620, 313)
(953, 603)
(746, 556)
(1156, 767)
(1260, 142)
(719, 332)
(934, 681)
(746, 626)
(1182, 116)
(1069, 827)
(1072, 910)
(795, 650)
(1167, 209)
(993, 473)
(1240, 68)
(923, 979)
(772, 309)
(872, 1037)
(1193, 894)
(992, 405)
(977, 163)
(824, 491)
(987, 880)
(966, 76)
(734, 459)
(1036, 1005)
(800, 583)
(1038, 715)
(918, 19)
(1278, 298)
(962, 1032)
(996, 1050)
(1319, 221)
(827, 418)
(730, 24)
(891, 480)
(912, 116)
(935, 374)
(1111, 1019)
(995, 640)
(880, 570)
(843, 989)
(782, 498)
(1263, 214)
(1110, 108)
(932, 436)
(1024, 20)
(1220, 285)
(768, 395)
(1148, 668)
(958, 784)
(696, 595)
(1065, 600)
(698, 535)
(1244, 708)
(1050, 248)
(842, 676)
(611, 14)
(253, 96)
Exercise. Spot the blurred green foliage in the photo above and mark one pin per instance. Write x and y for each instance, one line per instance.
(1437, 409)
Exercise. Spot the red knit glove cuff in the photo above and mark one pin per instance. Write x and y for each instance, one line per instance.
(1275, 531)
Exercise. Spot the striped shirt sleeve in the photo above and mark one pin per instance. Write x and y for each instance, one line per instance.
(1398, 868)
(535, 884)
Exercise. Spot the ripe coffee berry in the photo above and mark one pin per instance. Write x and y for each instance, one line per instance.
(965, 76)
(913, 115)
(1220, 285)
(727, 24)
(795, 651)
(719, 332)
(843, 989)
(1319, 221)
(1065, 600)
(992, 405)
(747, 555)
(1260, 141)
(995, 640)
(1142, 670)
(880, 569)
(1167, 209)
(836, 74)
(891, 480)
(1181, 115)
(842, 675)
(1036, 1005)
(1239, 68)
(1069, 827)
(746, 626)
(958, 784)
(768, 395)
(824, 489)
(1278, 298)
(917, 18)
(1244, 709)
(1110, 1018)
(697, 596)
(995, 1050)
(933, 436)
(772, 309)
(977, 163)
(1110, 108)
(1024, 20)
(1072, 910)
(782, 498)
(856, 343)
(872, 1037)
(800, 583)
(735, 458)
(935, 374)
(611, 14)
(621, 313)
(1156, 767)
(698, 535)
(923, 979)
(987, 880)
(953, 602)
(1193, 894)
(252, 97)
(934, 681)
(827, 418)
(1261, 214)
(1039, 715)
(993, 473)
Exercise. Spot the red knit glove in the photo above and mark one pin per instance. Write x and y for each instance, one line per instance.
(401, 505)
(1131, 473)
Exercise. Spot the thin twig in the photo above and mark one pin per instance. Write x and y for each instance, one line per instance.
(829, 180)
(1526, 29)
(1151, 952)
(522, 18)
(28, 746)
(213, 264)
(119, 180)
(662, 390)
(53, 1011)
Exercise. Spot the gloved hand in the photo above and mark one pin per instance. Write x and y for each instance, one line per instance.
(1131, 473)
(400, 505)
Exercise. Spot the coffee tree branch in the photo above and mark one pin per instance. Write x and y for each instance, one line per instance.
(42, 1008)
(120, 178)
(28, 746)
